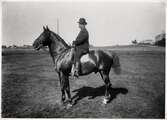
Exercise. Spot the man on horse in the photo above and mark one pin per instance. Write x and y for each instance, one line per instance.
(81, 45)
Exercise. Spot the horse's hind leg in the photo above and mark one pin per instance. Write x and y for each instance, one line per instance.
(105, 77)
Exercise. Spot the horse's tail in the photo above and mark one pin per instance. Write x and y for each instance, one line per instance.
(116, 63)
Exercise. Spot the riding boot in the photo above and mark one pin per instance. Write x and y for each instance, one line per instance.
(73, 70)
(77, 67)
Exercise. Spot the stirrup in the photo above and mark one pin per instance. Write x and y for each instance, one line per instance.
(73, 72)
(76, 74)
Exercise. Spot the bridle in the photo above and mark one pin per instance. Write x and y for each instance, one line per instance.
(41, 42)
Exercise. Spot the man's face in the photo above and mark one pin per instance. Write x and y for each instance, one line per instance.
(81, 26)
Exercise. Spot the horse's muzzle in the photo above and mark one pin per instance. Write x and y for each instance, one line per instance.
(38, 47)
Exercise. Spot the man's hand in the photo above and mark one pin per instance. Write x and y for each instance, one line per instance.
(73, 43)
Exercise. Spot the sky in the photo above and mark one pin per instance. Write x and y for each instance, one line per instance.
(109, 23)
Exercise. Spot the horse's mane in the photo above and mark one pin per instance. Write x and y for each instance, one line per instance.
(61, 40)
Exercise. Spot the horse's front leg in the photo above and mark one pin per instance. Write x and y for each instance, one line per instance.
(67, 89)
(63, 97)
(62, 85)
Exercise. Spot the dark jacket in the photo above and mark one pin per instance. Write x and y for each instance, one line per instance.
(82, 41)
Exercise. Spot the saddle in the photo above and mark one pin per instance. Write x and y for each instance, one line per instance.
(83, 58)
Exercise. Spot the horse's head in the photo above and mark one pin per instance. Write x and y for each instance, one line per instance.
(43, 39)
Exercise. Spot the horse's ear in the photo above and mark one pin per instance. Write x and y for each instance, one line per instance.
(44, 28)
(47, 28)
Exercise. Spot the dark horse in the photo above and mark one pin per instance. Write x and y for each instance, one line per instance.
(62, 54)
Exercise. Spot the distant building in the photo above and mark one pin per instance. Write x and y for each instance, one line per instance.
(14, 46)
(4, 46)
(134, 42)
(146, 42)
(27, 46)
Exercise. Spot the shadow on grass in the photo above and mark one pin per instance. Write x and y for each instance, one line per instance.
(95, 92)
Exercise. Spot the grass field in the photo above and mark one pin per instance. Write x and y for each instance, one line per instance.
(30, 86)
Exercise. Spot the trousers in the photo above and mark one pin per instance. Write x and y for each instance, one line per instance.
(78, 54)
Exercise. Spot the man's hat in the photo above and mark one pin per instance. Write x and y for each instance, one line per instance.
(82, 21)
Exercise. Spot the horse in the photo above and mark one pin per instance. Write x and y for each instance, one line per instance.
(97, 61)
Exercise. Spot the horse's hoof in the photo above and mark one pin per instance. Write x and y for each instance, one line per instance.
(105, 101)
(69, 105)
